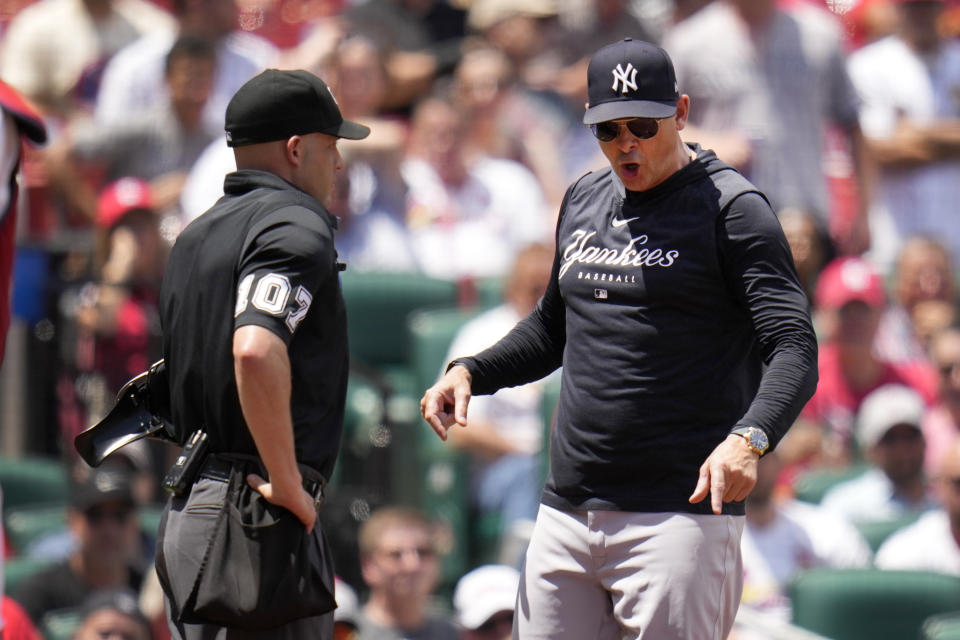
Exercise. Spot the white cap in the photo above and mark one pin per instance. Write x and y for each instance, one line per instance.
(885, 408)
(483, 592)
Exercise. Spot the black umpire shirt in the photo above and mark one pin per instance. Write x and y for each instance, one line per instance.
(677, 315)
(262, 255)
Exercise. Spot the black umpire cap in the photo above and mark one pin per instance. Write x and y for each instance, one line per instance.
(630, 79)
(278, 104)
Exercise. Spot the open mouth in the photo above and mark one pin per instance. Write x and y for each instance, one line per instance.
(630, 169)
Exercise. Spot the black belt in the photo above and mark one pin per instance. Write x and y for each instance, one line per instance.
(218, 467)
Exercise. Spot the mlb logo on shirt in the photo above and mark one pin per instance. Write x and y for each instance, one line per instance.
(600, 294)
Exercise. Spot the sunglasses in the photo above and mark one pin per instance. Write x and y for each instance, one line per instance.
(642, 128)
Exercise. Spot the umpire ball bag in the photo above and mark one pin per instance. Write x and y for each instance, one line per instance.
(259, 567)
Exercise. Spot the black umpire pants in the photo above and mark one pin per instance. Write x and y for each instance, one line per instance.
(189, 522)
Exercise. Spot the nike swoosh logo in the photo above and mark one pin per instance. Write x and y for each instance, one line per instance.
(617, 222)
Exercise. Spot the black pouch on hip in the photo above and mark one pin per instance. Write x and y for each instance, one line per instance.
(261, 569)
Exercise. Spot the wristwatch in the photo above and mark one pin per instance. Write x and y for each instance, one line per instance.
(756, 439)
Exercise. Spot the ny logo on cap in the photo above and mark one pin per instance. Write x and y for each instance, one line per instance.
(620, 78)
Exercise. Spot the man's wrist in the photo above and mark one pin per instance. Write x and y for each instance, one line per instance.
(755, 438)
(458, 362)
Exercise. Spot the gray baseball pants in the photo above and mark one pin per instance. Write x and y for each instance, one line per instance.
(608, 575)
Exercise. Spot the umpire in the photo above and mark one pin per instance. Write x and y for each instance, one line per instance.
(254, 339)
(687, 351)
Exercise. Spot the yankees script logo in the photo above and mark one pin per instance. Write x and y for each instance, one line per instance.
(620, 78)
(580, 250)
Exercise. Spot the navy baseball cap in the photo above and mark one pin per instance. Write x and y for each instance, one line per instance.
(278, 104)
(630, 79)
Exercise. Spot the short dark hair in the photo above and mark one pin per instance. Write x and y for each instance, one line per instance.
(192, 48)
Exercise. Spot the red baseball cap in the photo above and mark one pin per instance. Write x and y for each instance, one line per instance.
(120, 197)
(847, 279)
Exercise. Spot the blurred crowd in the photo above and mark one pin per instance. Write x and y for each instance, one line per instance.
(846, 113)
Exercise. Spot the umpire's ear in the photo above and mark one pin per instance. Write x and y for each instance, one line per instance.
(293, 150)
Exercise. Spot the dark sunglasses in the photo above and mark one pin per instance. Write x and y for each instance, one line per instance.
(642, 128)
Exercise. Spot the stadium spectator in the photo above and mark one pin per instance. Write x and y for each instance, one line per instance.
(942, 422)
(358, 77)
(890, 437)
(484, 600)
(910, 117)
(398, 558)
(505, 438)
(103, 516)
(769, 81)
(133, 82)
(119, 310)
(505, 119)
(849, 301)
(421, 40)
(370, 237)
(810, 245)
(15, 624)
(112, 614)
(54, 52)
(529, 34)
(933, 542)
(468, 215)
(924, 301)
(783, 537)
(159, 145)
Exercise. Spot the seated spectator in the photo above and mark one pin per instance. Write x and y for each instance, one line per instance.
(924, 301)
(529, 34)
(133, 459)
(505, 438)
(810, 245)
(933, 542)
(158, 145)
(891, 440)
(421, 39)
(133, 81)
(942, 423)
(369, 237)
(783, 537)
(15, 624)
(112, 614)
(119, 310)
(103, 516)
(504, 119)
(51, 50)
(468, 215)
(398, 559)
(484, 600)
(850, 300)
(358, 78)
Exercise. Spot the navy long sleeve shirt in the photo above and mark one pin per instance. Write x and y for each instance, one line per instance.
(677, 315)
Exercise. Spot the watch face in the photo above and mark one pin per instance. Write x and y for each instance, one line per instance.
(759, 439)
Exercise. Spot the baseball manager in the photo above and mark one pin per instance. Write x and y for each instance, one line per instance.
(687, 352)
